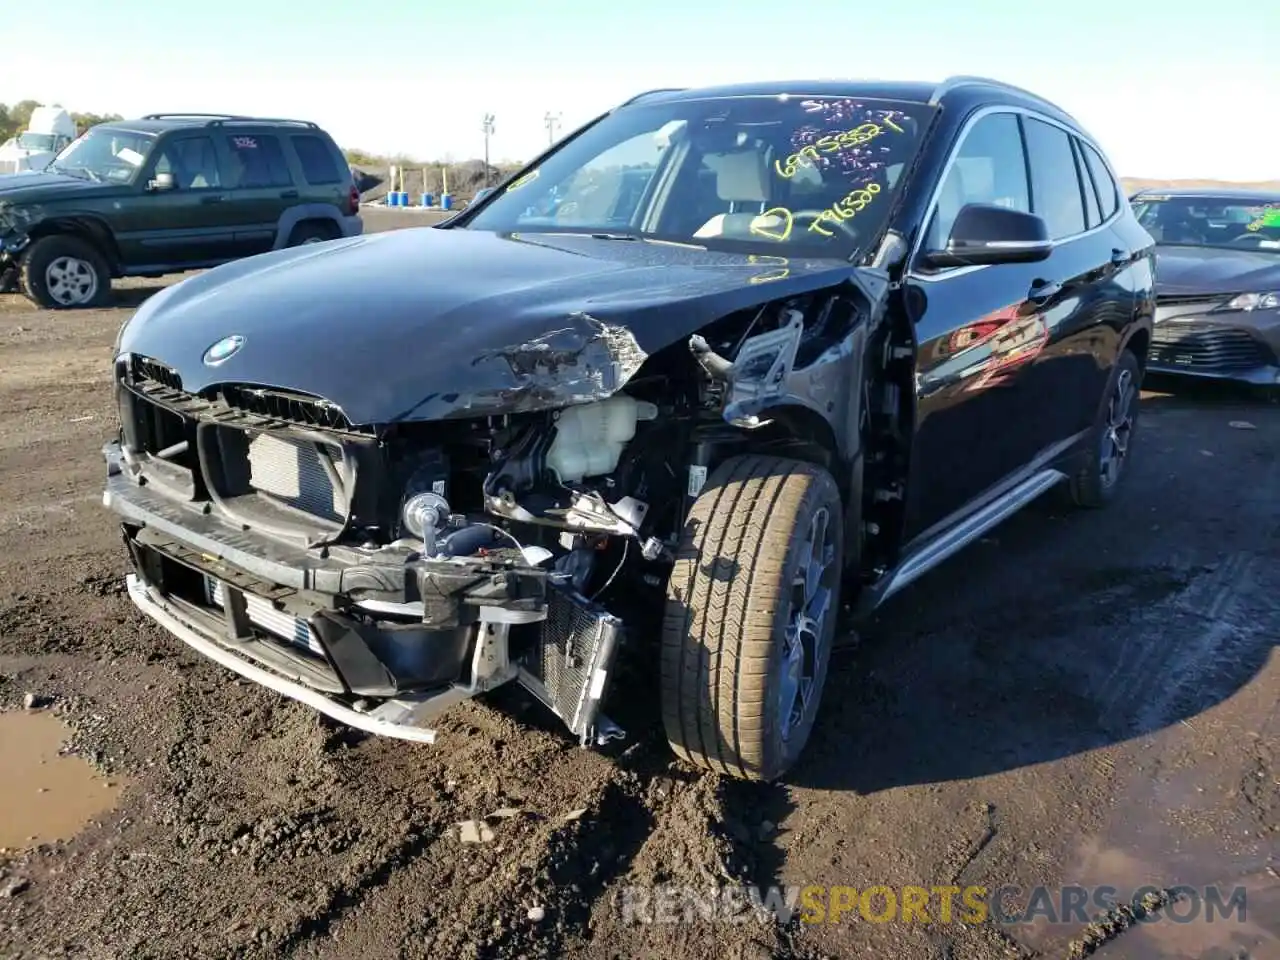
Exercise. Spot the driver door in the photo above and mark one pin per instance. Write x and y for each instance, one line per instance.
(974, 327)
(183, 227)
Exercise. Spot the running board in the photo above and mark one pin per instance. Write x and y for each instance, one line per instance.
(964, 533)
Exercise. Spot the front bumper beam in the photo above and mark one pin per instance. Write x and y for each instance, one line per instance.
(402, 717)
(383, 676)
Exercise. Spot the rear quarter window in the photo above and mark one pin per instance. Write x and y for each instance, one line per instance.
(319, 165)
(1108, 192)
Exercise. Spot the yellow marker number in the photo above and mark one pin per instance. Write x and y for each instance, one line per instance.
(845, 209)
(806, 156)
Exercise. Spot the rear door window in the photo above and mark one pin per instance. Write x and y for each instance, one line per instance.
(1055, 184)
(257, 161)
(318, 163)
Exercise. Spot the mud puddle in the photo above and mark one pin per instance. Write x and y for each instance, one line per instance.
(44, 795)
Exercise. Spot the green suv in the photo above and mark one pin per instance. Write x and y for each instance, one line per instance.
(168, 193)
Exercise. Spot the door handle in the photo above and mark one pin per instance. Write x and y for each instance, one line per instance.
(288, 194)
(1042, 291)
(1120, 258)
(216, 198)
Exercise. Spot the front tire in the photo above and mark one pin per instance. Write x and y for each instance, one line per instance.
(1111, 442)
(751, 613)
(62, 272)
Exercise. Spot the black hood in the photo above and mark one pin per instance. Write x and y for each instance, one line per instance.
(39, 187)
(1188, 271)
(432, 323)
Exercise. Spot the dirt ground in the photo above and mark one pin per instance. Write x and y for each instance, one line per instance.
(1077, 699)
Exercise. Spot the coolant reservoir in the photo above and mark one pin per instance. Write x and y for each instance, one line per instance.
(590, 437)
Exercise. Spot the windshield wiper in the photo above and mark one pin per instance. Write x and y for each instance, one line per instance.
(80, 173)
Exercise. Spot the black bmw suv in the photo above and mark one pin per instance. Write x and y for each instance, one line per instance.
(713, 365)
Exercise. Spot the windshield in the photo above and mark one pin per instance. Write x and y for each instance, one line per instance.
(105, 154)
(749, 173)
(36, 141)
(1233, 222)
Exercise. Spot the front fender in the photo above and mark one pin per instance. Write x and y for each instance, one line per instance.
(765, 375)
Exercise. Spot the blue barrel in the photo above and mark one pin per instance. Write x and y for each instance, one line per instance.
(446, 201)
(428, 199)
(393, 199)
(404, 198)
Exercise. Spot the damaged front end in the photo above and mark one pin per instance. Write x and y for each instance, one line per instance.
(383, 573)
(356, 568)
(13, 240)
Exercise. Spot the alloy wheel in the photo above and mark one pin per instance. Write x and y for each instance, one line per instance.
(811, 596)
(1118, 429)
(71, 281)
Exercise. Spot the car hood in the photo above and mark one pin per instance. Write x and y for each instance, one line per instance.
(22, 195)
(31, 186)
(431, 323)
(1187, 271)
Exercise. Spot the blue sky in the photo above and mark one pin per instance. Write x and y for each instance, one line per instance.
(1171, 89)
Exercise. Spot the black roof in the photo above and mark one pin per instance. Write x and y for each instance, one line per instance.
(970, 91)
(1217, 193)
(160, 122)
(872, 89)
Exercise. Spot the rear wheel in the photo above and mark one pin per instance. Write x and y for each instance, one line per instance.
(1108, 459)
(61, 272)
(751, 612)
(311, 232)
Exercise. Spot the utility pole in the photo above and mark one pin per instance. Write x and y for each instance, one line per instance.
(488, 132)
(552, 120)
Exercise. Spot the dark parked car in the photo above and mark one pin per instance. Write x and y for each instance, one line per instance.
(1217, 282)
(168, 193)
(840, 331)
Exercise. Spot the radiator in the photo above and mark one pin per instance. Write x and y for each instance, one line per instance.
(291, 471)
(263, 614)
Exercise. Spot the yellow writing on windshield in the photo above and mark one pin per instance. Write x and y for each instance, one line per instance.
(845, 209)
(780, 270)
(527, 178)
(807, 156)
(1268, 216)
(774, 224)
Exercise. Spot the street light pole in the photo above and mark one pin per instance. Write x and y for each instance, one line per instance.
(488, 132)
(552, 120)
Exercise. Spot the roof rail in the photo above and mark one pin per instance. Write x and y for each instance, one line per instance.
(964, 80)
(219, 121)
(649, 93)
(192, 116)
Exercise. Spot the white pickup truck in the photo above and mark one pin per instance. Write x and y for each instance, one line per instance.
(49, 130)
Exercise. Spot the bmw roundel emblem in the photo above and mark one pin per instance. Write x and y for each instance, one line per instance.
(223, 350)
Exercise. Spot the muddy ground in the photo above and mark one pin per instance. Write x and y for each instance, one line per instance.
(1078, 698)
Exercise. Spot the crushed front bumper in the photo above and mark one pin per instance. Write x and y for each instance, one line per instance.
(294, 620)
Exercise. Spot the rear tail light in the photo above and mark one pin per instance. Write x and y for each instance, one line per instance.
(353, 201)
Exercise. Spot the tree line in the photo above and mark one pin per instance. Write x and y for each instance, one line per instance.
(14, 118)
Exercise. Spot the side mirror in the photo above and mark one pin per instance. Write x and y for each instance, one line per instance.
(161, 182)
(985, 234)
(481, 194)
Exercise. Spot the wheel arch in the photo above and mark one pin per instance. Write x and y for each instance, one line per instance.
(92, 229)
(307, 212)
